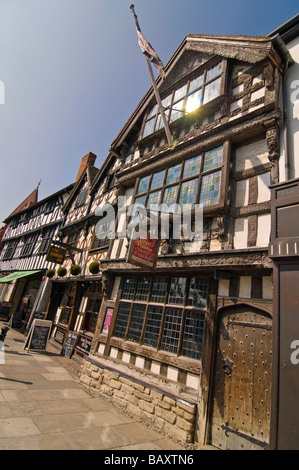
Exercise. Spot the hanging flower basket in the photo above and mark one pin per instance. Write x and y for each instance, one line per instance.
(50, 273)
(94, 268)
(61, 272)
(75, 270)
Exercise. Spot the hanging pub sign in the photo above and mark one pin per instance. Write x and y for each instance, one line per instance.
(55, 254)
(143, 252)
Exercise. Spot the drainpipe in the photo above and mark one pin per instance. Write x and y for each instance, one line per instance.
(287, 60)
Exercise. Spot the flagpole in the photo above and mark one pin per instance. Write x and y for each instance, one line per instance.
(155, 88)
(159, 102)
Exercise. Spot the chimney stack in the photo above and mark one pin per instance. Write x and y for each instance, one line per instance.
(88, 159)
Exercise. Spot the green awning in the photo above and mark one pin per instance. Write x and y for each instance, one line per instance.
(17, 275)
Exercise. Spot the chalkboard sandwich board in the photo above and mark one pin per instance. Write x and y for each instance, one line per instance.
(69, 344)
(38, 335)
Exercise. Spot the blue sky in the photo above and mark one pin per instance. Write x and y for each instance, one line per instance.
(73, 73)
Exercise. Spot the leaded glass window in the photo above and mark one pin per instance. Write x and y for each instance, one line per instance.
(193, 334)
(196, 180)
(159, 289)
(153, 325)
(186, 98)
(162, 312)
(210, 188)
(136, 322)
(171, 330)
(188, 192)
(122, 319)
(129, 288)
(198, 292)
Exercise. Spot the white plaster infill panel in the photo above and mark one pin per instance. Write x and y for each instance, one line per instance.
(251, 155)
(241, 233)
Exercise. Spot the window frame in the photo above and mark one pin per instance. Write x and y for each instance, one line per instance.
(170, 101)
(128, 305)
(200, 175)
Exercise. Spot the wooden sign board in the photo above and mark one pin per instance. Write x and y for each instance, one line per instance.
(38, 335)
(84, 344)
(143, 252)
(69, 344)
(55, 254)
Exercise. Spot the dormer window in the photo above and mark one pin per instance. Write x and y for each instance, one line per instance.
(187, 98)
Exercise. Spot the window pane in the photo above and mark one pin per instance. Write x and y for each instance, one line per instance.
(174, 174)
(170, 195)
(198, 292)
(166, 101)
(158, 180)
(193, 334)
(171, 330)
(212, 90)
(196, 83)
(194, 101)
(143, 184)
(153, 198)
(160, 122)
(149, 127)
(188, 192)
(180, 93)
(192, 167)
(177, 290)
(159, 289)
(153, 111)
(153, 324)
(214, 71)
(81, 198)
(122, 319)
(209, 194)
(177, 111)
(213, 159)
(143, 288)
(136, 322)
(129, 288)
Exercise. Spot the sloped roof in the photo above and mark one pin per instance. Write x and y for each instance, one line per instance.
(31, 199)
(90, 172)
(250, 49)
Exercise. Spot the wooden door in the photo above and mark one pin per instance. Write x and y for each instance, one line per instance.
(242, 380)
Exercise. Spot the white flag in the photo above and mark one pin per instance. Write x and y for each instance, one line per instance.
(149, 52)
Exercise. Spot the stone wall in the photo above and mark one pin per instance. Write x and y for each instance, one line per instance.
(153, 405)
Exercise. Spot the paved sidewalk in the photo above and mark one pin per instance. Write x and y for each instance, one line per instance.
(43, 407)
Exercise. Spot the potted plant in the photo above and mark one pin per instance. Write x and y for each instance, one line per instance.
(75, 270)
(62, 271)
(50, 273)
(94, 268)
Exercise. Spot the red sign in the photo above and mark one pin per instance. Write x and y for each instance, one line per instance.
(107, 322)
(143, 252)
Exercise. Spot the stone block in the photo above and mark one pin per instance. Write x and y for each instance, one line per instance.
(115, 384)
(84, 379)
(149, 407)
(169, 416)
(169, 400)
(142, 396)
(185, 425)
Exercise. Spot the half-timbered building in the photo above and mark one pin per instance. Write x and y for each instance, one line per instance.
(79, 286)
(25, 243)
(187, 346)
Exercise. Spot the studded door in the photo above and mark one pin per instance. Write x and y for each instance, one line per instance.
(242, 381)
